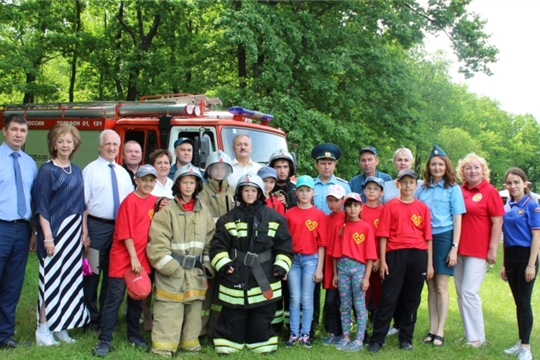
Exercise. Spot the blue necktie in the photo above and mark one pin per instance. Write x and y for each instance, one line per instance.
(116, 196)
(21, 201)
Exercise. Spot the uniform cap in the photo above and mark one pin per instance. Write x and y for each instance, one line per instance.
(437, 151)
(144, 170)
(267, 172)
(406, 172)
(138, 286)
(326, 151)
(305, 180)
(376, 180)
(370, 149)
(182, 140)
(336, 191)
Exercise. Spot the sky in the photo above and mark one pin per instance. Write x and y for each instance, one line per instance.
(513, 25)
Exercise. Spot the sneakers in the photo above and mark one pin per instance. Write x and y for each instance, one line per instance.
(292, 340)
(44, 336)
(63, 336)
(514, 350)
(304, 341)
(342, 343)
(330, 340)
(138, 343)
(405, 345)
(355, 345)
(102, 349)
(392, 331)
(524, 354)
(373, 347)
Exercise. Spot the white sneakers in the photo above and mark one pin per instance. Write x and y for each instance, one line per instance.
(524, 354)
(392, 331)
(63, 336)
(514, 350)
(44, 336)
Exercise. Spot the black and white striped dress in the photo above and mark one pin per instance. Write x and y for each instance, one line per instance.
(59, 198)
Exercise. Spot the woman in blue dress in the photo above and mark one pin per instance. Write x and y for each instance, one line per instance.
(58, 195)
(445, 201)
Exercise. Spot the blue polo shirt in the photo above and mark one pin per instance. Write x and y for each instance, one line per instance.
(518, 221)
(443, 205)
(319, 199)
(8, 193)
(357, 182)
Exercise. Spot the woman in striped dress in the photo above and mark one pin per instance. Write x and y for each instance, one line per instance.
(58, 194)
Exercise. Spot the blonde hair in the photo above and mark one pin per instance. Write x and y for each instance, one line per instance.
(406, 151)
(466, 160)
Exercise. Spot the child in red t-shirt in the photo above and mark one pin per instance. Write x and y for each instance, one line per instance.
(354, 251)
(371, 214)
(269, 176)
(332, 303)
(307, 226)
(406, 261)
(128, 252)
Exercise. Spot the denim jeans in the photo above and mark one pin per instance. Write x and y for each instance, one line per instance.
(301, 286)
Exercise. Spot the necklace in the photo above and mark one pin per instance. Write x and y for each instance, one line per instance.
(61, 167)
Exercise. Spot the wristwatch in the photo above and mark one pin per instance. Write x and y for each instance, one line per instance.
(455, 245)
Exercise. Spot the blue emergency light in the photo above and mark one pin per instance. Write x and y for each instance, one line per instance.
(251, 114)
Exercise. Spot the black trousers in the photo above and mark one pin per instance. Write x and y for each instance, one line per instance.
(113, 301)
(407, 272)
(246, 326)
(100, 235)
(516, 260)
(332, 312)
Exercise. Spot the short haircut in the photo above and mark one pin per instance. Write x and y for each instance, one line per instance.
(467, 159)
(61, 129)
(105, 132)
(239, 136)
(406, 151)
(130, 142)
(16, 118)
(159, 153)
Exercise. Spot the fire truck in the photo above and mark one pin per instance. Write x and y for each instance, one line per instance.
(155, 122)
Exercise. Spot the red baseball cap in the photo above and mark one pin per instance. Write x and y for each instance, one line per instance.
(138, 286)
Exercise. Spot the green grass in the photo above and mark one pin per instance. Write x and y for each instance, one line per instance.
(499, 316)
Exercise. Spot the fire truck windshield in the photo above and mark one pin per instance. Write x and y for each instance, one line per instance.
(263, 143)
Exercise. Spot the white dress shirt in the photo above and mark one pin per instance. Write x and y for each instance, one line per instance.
(161, 190)
(239, 170)
(98, 190)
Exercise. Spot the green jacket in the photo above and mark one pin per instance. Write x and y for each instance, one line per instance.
(175, 231)
(218, 202)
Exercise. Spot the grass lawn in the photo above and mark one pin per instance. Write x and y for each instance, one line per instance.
(499, 315)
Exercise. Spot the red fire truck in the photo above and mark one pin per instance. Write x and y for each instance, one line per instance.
(155, 122)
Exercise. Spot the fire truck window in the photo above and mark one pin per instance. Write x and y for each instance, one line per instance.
(151, 145)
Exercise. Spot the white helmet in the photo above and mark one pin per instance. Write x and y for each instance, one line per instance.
(250, 179)
(283, 154)
(186, 170)
(218, 157)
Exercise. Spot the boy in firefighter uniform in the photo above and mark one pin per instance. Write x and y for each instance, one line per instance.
(178, 249)
(252, 252)
(218, 196)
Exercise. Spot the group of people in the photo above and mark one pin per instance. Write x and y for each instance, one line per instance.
(236, 250)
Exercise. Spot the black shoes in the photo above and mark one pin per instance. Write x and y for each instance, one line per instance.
(12, 344)
(405, 345)
(373, 347)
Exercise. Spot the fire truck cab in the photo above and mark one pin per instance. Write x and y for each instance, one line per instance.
(155, 122)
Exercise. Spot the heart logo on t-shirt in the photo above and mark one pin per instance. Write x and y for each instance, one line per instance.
(416, 219)
(358, 238)
(311, 225)
(376, 223)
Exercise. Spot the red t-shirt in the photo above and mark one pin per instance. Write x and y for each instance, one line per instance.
(406, 225)
(481, 202)
(307, 228)
(372, 216)
(328, 271)
(357, 242)
(273, 203)
(133, 221)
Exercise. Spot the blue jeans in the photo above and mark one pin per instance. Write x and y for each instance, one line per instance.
(301, 287)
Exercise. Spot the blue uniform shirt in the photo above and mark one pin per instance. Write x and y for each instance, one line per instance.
(443, 205)
(319, 199)
(519, 220)
(357, 182)
(8, 193)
